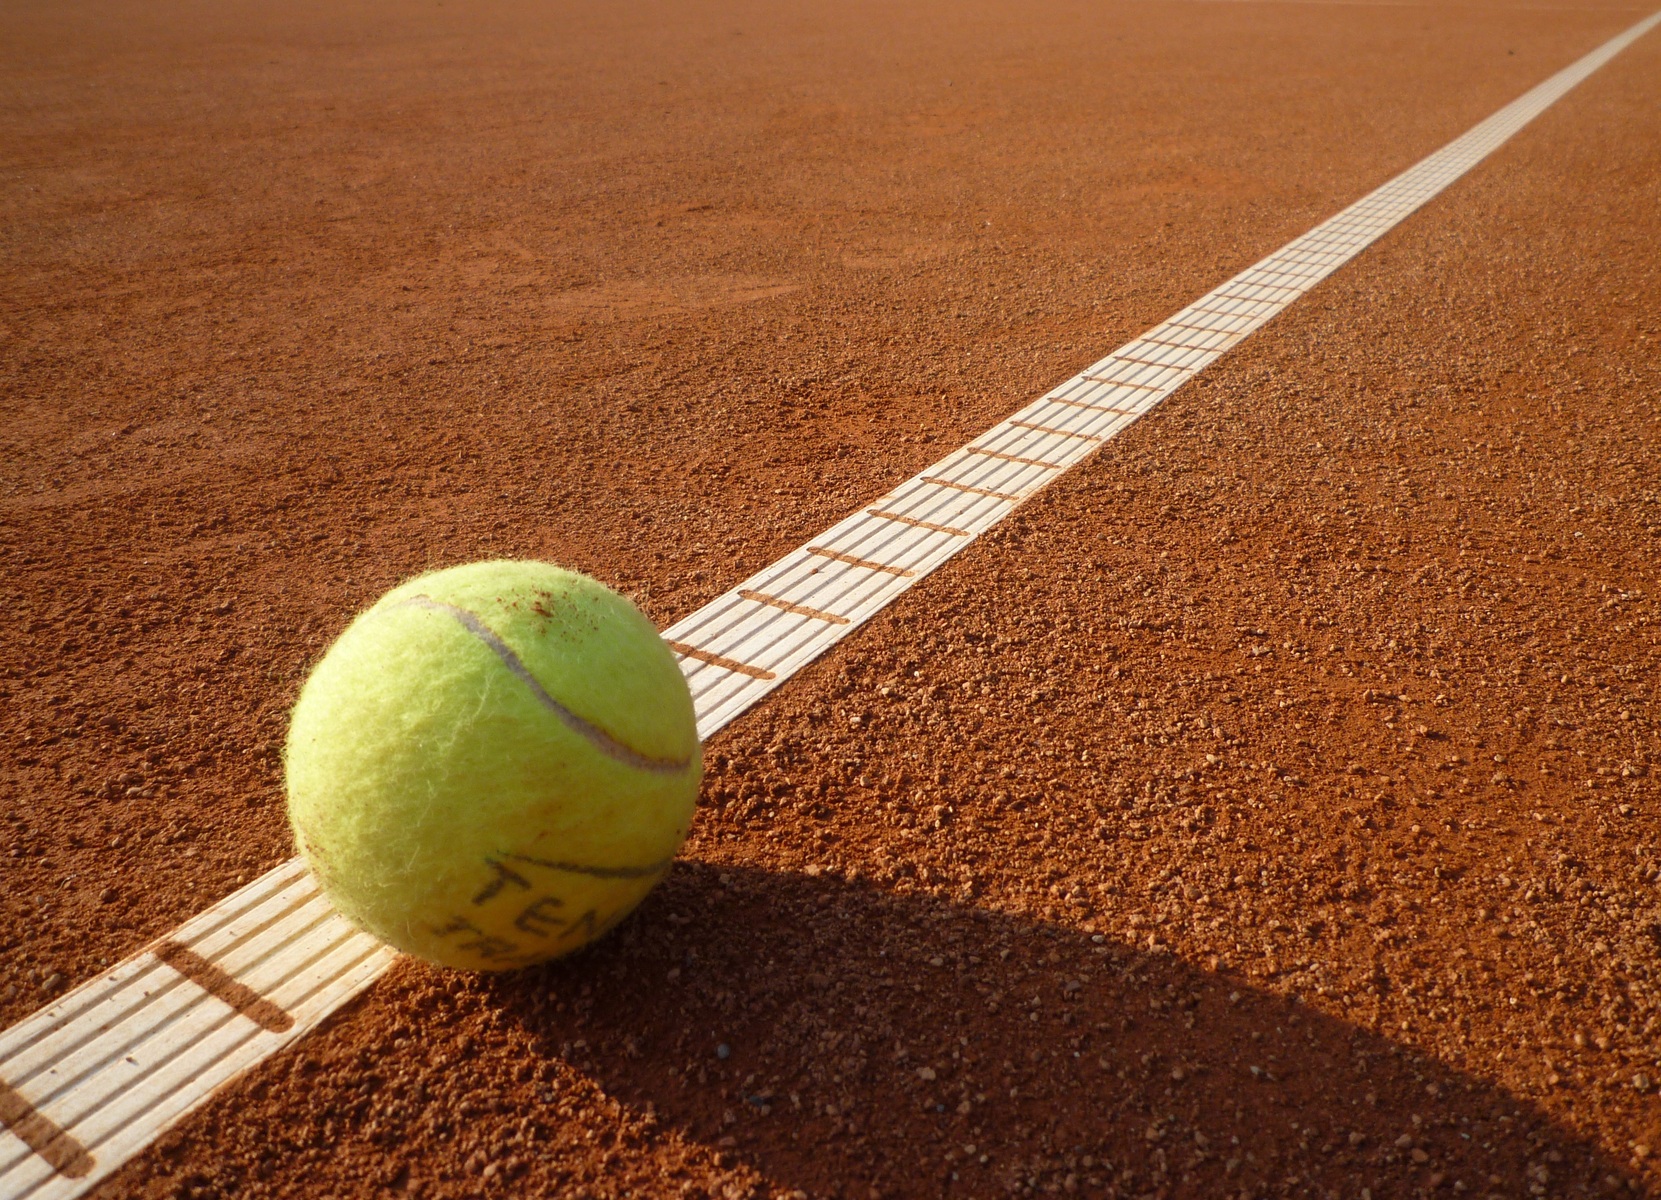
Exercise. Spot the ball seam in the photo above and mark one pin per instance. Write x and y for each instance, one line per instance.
(594, 734)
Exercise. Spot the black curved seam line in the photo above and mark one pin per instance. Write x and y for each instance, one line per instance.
(597, 737)
(645, 872)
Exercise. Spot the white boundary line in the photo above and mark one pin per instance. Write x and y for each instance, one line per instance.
(91, 1080)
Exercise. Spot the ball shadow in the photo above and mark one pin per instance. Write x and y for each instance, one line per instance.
(844, 1040)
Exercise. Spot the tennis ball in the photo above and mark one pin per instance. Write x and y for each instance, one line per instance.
(493, 764)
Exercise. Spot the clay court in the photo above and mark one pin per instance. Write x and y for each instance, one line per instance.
(1268, 807)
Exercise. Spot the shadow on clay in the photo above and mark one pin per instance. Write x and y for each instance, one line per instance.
(847, 1041)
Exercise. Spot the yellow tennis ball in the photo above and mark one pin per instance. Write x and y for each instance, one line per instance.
(493, 765)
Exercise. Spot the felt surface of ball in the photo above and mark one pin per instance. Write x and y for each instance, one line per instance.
(493, 764)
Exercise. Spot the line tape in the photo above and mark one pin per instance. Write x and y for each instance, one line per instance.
(95, 1077)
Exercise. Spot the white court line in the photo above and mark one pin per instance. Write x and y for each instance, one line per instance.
(92, 1079)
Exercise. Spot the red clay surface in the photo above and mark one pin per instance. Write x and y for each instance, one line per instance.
(1268, 808)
